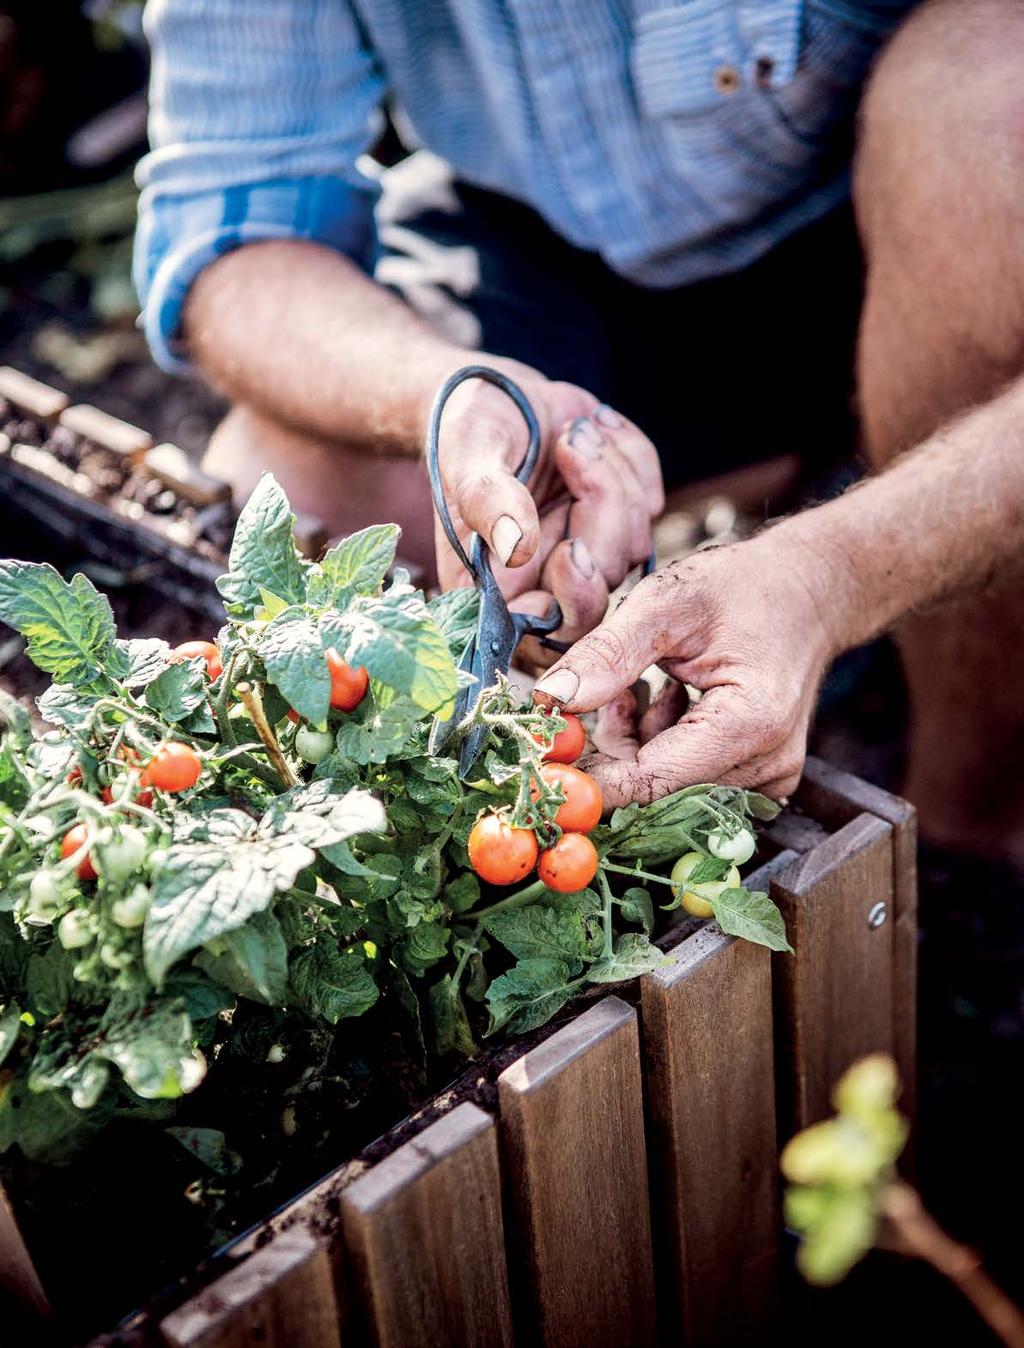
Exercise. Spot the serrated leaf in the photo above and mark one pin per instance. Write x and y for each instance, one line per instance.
(456, 613)
(323, 814)
(356, 565)
(762, 807)
(151, 1045)
(179, 691)
(752, 915)
(331, 983)
(528, 995)
(293, 656)
(252, 961)
(396, 639)
(263, 555)
(538, 933)
(636, 905)
(68, 628)
(449, 1021)
(146, 658)
(63, 705)
(425, 945)
(462, 893)
(634, 955)
(708, 869)
(373, 735)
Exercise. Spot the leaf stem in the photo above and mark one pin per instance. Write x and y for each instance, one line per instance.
(607, 950)
(519, 900)
(635, 872)
(258, 716)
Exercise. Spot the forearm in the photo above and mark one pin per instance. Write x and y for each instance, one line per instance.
(298, 332)
(945, 520)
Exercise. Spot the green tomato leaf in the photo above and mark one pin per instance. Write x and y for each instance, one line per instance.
(146, 658)
(456, 613)
(179, 691)
(151, 1045)
(251, 961)
(396, 639)
(539, 933)
(66, 706)
(372, 734)
(752, 915)
(528, 995)
(293, 656)
(636, 905)
(449, 1022)
(356, 565)
(69, 628)
(634, 955)
(323, 814)
(462, 893)
(425, 945)
(263, 555)
(15, 722)
(761, 807)
(331, 983)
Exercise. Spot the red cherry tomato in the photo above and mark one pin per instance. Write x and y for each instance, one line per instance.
(568, 744)
(348, 685)
(175, 767)
(499, 853)
(570, 864)
(188, 650)
(70, 843)
(143, 798)
(74, 777)
(581, 810)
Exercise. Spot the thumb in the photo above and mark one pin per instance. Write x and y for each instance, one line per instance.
(609, 659)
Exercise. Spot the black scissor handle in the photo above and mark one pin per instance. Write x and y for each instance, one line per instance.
(526, 467)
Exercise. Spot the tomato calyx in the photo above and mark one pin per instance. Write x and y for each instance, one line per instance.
(581, 809)
(567, 744)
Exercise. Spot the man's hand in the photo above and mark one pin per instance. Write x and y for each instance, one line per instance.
(745, 625)
(582, 522)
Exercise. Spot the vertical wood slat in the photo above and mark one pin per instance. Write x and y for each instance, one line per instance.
(710, 1088)
(280, 1297)
(837, 797)
(426, 1241)
(576, 1175)
(18, 1275)
(834, 996)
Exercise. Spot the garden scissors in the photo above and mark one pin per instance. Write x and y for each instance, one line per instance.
(498, 629)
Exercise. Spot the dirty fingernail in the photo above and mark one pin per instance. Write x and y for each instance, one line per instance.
(607, 416)
(586, 438)
(581, 558)
(560, 685)
(505, 537)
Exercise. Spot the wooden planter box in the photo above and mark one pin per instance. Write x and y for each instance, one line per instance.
(611, 1181)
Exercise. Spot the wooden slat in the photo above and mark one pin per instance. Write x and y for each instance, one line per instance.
(173, 467)
(711, 1096)
(109, 432)
(837, 797)
(426, 1241)
(281, 1297)
(576, 1174)
(18, 1275)
(833, 997)
(31, 396)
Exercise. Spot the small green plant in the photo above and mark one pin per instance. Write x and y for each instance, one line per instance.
(845, 1196)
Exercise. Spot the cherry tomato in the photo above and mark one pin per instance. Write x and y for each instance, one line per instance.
(74, 929)
(568, 744)
(74, 777)
(70, 843)
(143, 798)
(570, 864)
(499, 853)
(188, 650)
(581, 810)
(696, 899)
(175, 767)
(313, 745)
(738, 847)
(348, 685)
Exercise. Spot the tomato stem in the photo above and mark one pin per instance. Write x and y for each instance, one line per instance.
(606, 916)
(636, 872)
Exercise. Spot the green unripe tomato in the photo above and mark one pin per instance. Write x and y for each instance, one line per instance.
(132, 909)
(74, 930)
(313, 745)
(739, 847)
(696, 899)
(120, 852)
(43, 897)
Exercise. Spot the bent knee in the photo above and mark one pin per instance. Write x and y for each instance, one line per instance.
(942, 118)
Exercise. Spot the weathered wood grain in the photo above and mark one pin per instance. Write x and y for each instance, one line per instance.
(575, 1167)
(714, 1187)
(834, 996)
(426, 1240)
(837, 797)
(281, 1297)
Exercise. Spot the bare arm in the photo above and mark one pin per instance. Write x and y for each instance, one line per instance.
(753, 626)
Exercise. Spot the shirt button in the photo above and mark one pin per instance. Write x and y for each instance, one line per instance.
(727, 79)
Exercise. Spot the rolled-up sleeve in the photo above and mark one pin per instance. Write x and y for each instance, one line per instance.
(259, 111)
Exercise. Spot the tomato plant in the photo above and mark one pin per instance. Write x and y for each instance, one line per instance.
(567, 743)
(205, 650)
(238, 865)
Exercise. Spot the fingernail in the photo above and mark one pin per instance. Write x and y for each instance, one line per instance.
(505, 537)
(581, 558)
(560, 685)
(608, 417)
(586, 438)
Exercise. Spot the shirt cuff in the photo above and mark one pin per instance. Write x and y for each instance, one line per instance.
(197, 230)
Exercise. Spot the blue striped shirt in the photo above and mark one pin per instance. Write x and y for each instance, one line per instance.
(677, 140)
